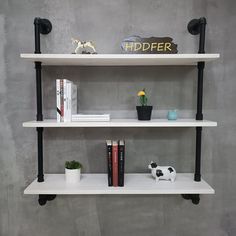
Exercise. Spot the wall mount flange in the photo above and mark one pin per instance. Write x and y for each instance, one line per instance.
(41, 26)
(43, 198)
(45, 25)
(194, 26)
(195, 198)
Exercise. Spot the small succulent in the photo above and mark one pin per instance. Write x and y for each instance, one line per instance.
(73, 165)
(142, 97)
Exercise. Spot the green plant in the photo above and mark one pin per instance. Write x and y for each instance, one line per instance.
(142, 97)
(73, 165)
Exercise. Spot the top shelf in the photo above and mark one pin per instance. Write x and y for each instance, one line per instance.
(119, 59)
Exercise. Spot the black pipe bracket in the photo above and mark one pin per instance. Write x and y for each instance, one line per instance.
(43, 198)
(195, 198)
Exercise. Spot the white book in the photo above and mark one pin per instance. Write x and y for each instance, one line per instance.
(66, 100)
(67, 117)
(71, 101)
(87, 117)
(91, 116)
(69, 85)
(90, 120)
(74, 95)
(62, 100)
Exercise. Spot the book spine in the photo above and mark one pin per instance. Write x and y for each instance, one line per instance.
(74, 94)
(109, 163)
(115, 163)
(65, 98)
(121, 163)
(62, 100)
(58, 100)
(69, 101)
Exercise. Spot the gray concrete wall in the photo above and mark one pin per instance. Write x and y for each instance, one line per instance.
(114, 90)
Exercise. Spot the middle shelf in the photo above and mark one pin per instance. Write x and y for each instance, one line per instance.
(123, 123)
(134, 184)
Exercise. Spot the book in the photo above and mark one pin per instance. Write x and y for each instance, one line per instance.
(70, 100)
(73, 100)
(62, 99)
(65, 100)
(121, 163)
(91, 117)
(109, 161)
(58, 96)
(66, 93)
(115, 163)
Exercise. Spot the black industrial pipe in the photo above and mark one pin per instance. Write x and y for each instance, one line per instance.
(40, 154)
(41, 26)
(198, 26)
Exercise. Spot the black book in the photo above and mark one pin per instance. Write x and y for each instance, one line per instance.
(109, 162)
(121, 163)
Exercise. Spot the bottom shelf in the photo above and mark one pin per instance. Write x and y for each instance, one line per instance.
(92, 184)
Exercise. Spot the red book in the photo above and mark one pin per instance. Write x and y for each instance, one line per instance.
(115, 163)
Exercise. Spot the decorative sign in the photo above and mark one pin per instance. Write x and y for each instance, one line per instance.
(152, 45)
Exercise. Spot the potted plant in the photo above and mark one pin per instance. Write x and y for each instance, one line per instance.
(72, 171)
(144, 111)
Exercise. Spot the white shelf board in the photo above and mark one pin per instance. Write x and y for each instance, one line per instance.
(119, 59)
(124, 123)
(134, 184)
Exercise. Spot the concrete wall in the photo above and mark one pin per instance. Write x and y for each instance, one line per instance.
(114, 90)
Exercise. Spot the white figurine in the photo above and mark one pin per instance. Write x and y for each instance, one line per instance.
(162, 172)
(83, 45)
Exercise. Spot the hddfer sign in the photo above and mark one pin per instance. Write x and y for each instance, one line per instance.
(152, 45)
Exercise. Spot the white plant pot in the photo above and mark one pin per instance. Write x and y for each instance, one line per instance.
(72, 176)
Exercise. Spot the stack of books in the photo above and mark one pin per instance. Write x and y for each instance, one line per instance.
(116, 162)
(91, 117)
(66, 93)
(66, 96)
